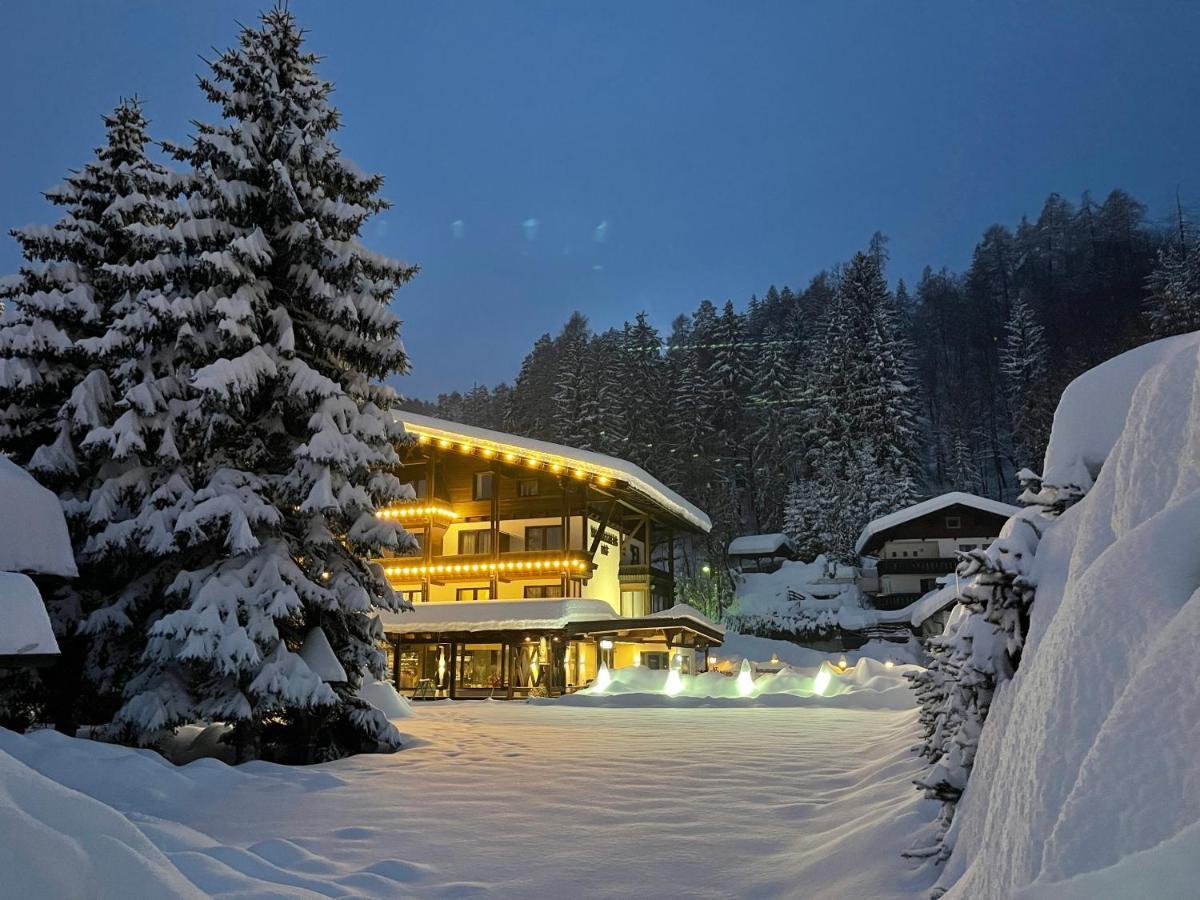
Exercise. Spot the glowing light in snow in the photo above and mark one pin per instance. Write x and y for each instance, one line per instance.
(745, 679)
(842, 661)
(674, 683)
(821, 682)
(888, 664)
(603, 679)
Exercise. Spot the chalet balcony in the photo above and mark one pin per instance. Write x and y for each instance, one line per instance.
(930, 565)
(641, 573)
(465, 566)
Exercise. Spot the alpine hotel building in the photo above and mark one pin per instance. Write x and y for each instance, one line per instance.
(536, 563)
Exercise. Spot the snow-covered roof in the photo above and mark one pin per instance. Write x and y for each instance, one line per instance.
(35, 537)
(684, 611)
(24, 625)
(932, 505)
(498, 615)
(761, 545)
(598, 464)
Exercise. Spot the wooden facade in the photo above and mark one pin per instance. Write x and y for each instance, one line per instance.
(499, 518)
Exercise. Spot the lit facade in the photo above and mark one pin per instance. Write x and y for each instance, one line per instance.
(536, 562)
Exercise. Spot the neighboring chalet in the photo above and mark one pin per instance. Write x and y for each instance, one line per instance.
(536, 563)
(33, 541)
(761, 552)
(905, 552)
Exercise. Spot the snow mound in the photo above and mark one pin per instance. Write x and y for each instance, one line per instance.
(1087, 761)
(800, 600)
(1092, 410)
(39, 543)
(60, 843)
(382, 696)
(866, 685)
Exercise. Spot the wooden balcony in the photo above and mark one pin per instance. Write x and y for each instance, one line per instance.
(464, 566)
(930, 565)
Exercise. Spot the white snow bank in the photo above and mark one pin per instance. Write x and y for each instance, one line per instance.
(34, 534)
(763, 650)
(684, 611)
(383, 696)
(24, 624)
(867, 685)
(1087, 760)
(60, 843)
(1091, 412)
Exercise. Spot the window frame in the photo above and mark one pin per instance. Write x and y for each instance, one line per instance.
(474, 537)
(459, 594)
(542, 592)
(523, 485)
(478, 480)
(544, 531)
(957, 520)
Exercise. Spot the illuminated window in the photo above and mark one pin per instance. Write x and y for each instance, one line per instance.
(473, 593)
(477, 541)
(482, 486)
(414, 596)
(542, 591)
(543, 537)
(527, 487)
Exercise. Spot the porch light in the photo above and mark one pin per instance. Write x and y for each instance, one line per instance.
(488, 452)
(745, 679)
(443, 443)
(509, 457)
(556, 468)
(712, 660)
(706, 569)
(465, 448)
(422, 439)
(603, 480)
(606, 644)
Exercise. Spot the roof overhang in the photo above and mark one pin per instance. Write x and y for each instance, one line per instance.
(605, 475)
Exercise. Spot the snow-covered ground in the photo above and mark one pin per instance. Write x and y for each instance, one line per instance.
(490, 798)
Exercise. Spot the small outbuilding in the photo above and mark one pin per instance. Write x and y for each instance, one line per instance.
(761, 552)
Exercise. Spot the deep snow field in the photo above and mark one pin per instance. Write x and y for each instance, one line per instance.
(490, 798)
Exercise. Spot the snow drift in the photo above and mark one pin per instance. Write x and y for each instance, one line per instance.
(1086, 767)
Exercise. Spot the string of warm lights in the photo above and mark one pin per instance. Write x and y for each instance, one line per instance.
(416, 512)
(550, 563)
(532, 461)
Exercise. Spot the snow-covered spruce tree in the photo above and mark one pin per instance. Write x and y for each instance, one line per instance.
(1024, 363)
(272, 532)
(642, 382)
(772, 455)
(573, 421)
(979, 651)
(70, 351)
(1173, 306)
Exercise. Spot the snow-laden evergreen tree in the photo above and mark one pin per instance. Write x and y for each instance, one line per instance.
(979, 651)
(1024, 362)
(1173, 306)
(773, 456)
(79, 347)
(574, 415)
(530, 410)
(270, 535)
(643, 394)
(962, 471)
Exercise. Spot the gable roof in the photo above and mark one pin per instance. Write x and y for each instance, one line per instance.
(932, 505)
(607, 469)
(760, 545)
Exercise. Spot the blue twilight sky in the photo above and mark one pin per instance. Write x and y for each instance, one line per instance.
(621, 156)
